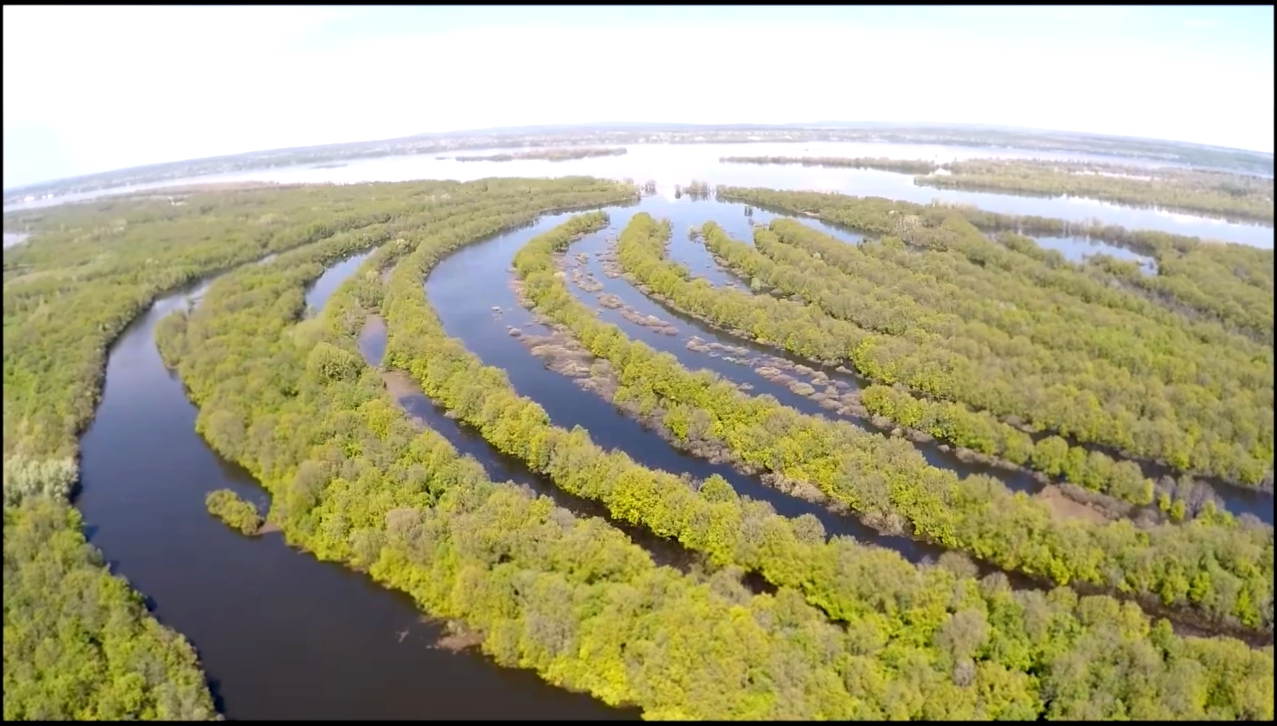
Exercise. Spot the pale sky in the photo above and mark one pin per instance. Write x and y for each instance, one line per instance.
(89, 89)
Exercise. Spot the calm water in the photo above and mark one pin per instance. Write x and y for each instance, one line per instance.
(329, 643)
(323, 288)
(471, 319)
(281, 635)
(681, 163)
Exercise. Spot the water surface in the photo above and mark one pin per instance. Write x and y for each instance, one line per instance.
(281, 635)
(670, 164)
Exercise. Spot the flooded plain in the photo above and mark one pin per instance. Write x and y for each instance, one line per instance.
(670, 164)
(282, 635)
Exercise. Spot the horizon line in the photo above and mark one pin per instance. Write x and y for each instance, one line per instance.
(653, 126)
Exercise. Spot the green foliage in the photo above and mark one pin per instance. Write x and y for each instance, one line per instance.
(886, 602)
(78, 643)
(353, 480)
(1217, 193)
(947, 339)
(1211, 291)
(881, 477)
(227, 506)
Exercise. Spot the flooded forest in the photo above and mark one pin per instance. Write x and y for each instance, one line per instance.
(817, 429)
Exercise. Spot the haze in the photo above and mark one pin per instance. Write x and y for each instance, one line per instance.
(94, 89)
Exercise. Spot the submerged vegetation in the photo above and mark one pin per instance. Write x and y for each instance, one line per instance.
(238, 514)
(956, 324)
(353, 480)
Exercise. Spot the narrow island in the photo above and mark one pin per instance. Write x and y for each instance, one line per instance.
(548, 155)
(229, 507)
(1218, 193)
(1230, 195)
(904, 166)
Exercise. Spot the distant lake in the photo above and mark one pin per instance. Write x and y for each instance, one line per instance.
(670, 164)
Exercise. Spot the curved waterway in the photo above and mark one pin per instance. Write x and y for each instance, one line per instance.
(1238, 500)
(484, 332)
(281, 635)
(482, 324)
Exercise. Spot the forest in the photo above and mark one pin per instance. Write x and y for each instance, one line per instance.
(1225, 422)
(841, 629)
(370, 494)
(892, 485)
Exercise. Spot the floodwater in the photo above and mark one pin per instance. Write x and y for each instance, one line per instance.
(281, 635)
(471, 319)
(670, 164)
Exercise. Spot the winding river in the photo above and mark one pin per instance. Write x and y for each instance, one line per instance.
(281, 635)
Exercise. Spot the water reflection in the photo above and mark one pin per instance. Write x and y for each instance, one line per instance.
(280, 634)
(1078, 249)
(670, 164)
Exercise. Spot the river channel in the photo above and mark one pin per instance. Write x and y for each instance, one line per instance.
(486, 333)
(281, 635)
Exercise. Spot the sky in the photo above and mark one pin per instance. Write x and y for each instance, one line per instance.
(90, 89)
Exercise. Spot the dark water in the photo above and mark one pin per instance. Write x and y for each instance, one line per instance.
(281, 635)
(323, 288)
(470, 318)
(501, 467)
(486, 337)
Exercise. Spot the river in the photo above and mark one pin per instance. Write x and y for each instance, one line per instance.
(670, 164)
(471, 319)
(281, 634)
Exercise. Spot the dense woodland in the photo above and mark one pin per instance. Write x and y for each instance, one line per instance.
(849, 631)
(983, 340)
(1202, 401)
(1197, 283)
(78, 642)
(352, 480)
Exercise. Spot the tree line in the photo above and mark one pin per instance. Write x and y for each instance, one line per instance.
(79, 643)
(1214, 193)
(997, 349)
(1218, 291)
(904, 166)
(712, 518)
(1211, 564)
(558, 154)
(1215, 384)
